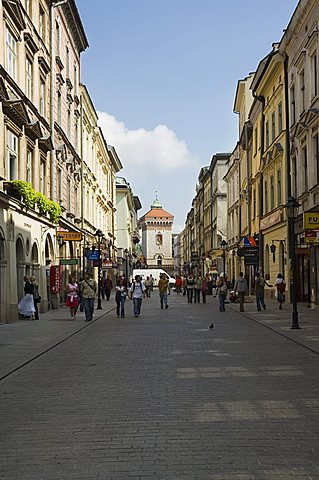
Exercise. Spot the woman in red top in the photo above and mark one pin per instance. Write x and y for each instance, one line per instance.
(72, 301)
(178, 285)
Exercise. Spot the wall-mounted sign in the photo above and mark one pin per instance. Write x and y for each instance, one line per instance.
(69, 261)
(93, 255)
(70, 236)
(311, 236)
(311, 220)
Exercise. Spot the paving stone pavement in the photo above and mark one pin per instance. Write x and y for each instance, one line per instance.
(160, 397)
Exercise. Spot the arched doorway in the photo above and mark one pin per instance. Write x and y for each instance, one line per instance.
(20, 264)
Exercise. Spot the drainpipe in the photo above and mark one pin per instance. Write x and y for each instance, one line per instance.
(287, 123)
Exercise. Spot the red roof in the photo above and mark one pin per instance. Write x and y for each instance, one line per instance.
(158, 213)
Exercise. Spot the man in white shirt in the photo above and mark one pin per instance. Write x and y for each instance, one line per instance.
(137, 291)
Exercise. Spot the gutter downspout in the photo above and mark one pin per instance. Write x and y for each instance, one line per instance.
(52, 86)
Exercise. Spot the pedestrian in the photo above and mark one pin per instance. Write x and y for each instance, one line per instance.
(137, 292)
(260, 283)
(214, 285)
(222, 289)
(36, 296)
(152, 282)
(241, 288)
(120, 297)
(197, 288)
(148, 286)
(108, 285)
(178, 285)
(26, 304)
(163, 287)
(190, 284)
(280, 289)
(72, 300)
(184, 286)
(88, 289)
(204, 289)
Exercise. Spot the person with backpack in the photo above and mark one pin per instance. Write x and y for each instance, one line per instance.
(260, 283)
(241, 288)
(222, 288)
(280, 289)
(137, 292)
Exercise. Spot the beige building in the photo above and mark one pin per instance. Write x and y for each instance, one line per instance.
(27, 218)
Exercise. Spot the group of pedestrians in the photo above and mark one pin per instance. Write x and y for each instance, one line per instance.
(195, 288)
(240, 290)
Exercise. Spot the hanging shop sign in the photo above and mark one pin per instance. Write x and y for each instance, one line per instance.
(311, 220)
(311, 236)
(70, 236)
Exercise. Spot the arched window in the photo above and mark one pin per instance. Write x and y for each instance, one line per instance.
(159, 239)
(159, 261)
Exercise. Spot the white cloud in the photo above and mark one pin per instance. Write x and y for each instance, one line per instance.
(158, 149)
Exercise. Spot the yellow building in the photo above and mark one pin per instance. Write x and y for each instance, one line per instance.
(269, 165)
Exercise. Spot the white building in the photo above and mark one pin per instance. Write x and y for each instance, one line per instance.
(157, 246)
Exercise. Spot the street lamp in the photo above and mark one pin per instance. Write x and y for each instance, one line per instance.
(99, 235)
(292, 212)
(223, 245)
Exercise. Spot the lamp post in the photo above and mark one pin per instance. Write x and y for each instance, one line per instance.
(223, 245)
(292, 211)
(99, 235)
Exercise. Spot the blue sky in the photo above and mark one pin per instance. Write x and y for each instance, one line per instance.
(163, 74)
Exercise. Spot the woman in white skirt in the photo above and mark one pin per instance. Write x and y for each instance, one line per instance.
(26, 304)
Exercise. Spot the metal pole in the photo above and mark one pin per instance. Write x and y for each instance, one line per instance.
(293, 274)
(224, 261)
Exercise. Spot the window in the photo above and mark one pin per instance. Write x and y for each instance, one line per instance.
(280, 117)
(41, 23)
(272, 193)
(59, 108)
(159, 239)
(29, 176)
(11, 55)
(60, 197)
(12, 148)
(267, 134)
(302, 90)
(76, 134)
(279, 198)
(57, 38)
(292, 105)
(159, 261)
(314, 72)
(256, 139)
(69, 125)
(273, 126)
(75, 80)
(42, 176)
(266, 197)
(316, 154)
(42, 97)
(69, 195)
(67, 57)
(27, 7)
(294, 190)
(305, 168)
(29, 78)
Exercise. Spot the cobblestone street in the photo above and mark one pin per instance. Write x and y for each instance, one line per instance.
(161, 397)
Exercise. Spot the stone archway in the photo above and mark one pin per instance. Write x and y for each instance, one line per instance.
(20, 264)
